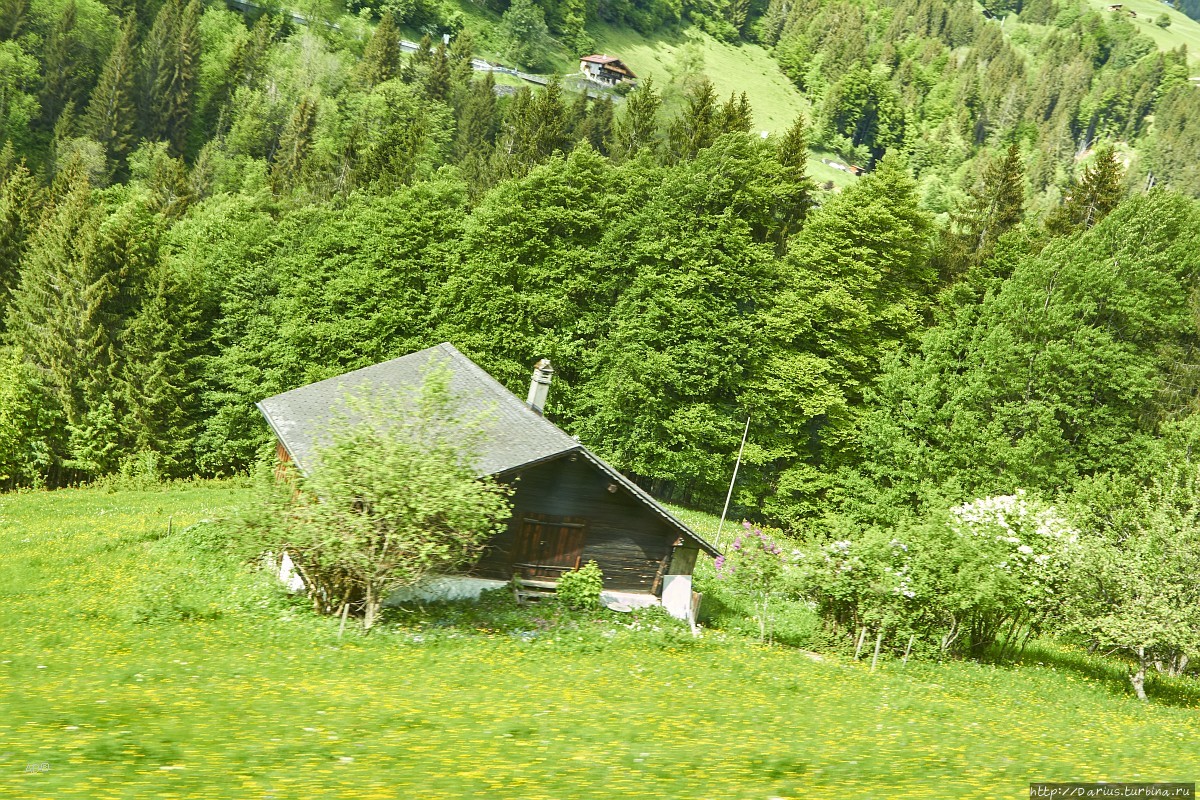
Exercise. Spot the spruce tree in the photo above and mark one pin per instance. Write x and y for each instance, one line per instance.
(294, 146)
(995, 206)
(735, 115)
(477, 119)
(381, 60)
(637, 129)
(462, 54)
(245, 69)
(19, 204)
(13, 15)
(795, 190)
(61, 70)
(111, 112)
(695, 127)
(170, 66)
(1098, 193)
(438, 79)
(158, 379)
(600, 124)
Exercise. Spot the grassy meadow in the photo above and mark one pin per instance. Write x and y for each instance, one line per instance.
(134, 666)
(1183, 30)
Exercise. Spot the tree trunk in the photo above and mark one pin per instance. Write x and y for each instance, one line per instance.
(1138, 678)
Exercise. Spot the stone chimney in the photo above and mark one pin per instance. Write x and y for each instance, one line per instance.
(540, 386)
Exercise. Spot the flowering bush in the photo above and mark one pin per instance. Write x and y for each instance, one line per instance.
(755, 566)
(1019, 556)
(993, 567)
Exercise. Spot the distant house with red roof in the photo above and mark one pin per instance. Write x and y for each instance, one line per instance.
(605, 70)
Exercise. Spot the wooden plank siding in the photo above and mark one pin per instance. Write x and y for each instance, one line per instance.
(623, 536)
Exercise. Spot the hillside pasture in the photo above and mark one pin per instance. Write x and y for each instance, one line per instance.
(132, 665)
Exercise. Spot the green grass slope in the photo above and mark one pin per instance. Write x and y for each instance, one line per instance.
(731, 68)
(229, 694)
(1183, 30)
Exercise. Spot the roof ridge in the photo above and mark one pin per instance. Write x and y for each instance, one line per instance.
(488, 380)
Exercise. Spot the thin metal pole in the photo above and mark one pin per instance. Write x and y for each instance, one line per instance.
(729, 496)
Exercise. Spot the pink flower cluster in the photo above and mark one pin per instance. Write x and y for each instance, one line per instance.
(744, 543)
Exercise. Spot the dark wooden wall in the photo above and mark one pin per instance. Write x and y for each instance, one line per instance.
(627, 540)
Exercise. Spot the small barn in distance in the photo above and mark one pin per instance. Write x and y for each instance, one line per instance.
(569, 505)
(605, 70)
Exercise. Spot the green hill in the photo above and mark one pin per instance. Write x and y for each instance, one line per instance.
(1183, 30)
(745, 68)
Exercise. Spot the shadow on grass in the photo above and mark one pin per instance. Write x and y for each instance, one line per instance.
(1111, 671)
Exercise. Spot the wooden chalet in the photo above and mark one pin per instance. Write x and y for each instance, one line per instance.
(569, 505)
(605, 70)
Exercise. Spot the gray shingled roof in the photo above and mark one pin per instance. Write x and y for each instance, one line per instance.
(513, 436)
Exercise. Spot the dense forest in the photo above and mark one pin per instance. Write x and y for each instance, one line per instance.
(199, 209)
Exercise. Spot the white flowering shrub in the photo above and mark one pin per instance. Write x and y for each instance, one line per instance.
(991, 569)
(1016, 561)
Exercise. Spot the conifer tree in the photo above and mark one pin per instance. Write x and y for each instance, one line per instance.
(158, 379)
(294, 146)
(170, 65)
(13, 15)
(795, 187)
(637, 129)
(735, 115)
(245, 69)
(477, 119)
(600, 124)
(57, 312)
(60, 67)
(438, 80)
(19, 206)
(1098, 193)
(695, 127)
(995, 206)
(111, 112)
(381, 60)
(535, 127)
(462, 54)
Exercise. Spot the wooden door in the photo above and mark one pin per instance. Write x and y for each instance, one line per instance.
(548, 546)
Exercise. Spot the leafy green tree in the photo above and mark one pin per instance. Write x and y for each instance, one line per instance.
(530, 279)
(1058, 375)
(665, 392)
(164, 177)
(1135, 590)
(31, 425)
(524, 34)
(225, 247)
(855, 287)
(393, 499)
(357, 284)
(18, 103)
